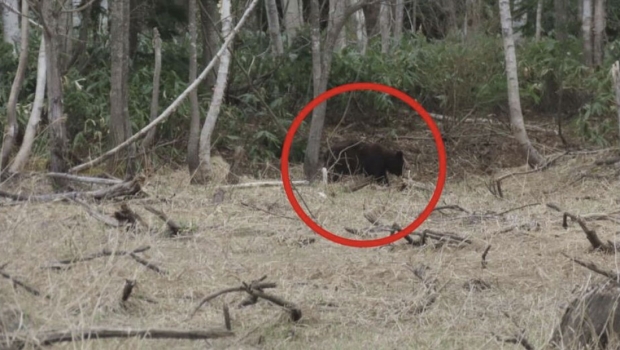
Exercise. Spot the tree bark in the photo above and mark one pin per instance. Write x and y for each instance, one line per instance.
(399, 9)
(203, 174)
(518, 23)
(534, 159)
(10, 24)
(58, 132)
(193, 159)
(104, 17)
(150, 137)
(586, 32)
(385, 17)
(599, 31)
(120, 127)
(11, 127)
(35, 114)
(538, 19)
(615, 74)
(321, 66)
(274, 27)
(336, 12)
(561, 19)
(210, 17)
(361, 33)
(293, 18)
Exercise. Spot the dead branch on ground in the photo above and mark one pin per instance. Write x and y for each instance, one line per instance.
(519, 339)
(431, 293)
(227, 323)
(17, 282)
(358, 186)
(252, 206)
(445, 236)
(591, 235)
(96, 214)
(66, 264)
(593, 267)
(125, 215)
(128, 188)
(172, 225)
(264, 184)
(451, 206)
(127, 288)
(85, 179)
(484, 256)
(148, 264)
(259, 285)
(293, 310)
(53, 337)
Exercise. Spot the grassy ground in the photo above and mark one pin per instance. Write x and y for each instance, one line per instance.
(350, 298)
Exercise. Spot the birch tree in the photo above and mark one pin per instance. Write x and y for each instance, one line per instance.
(10, 23)
(10, 129)
(103, 17)
(120, 127)
(273, 22)
(586, 32)
(399, 10)
(385, 16)
(293, 18)
(35, 114)
(321, 66)
(599, 32)
(193, 159)
(534, 159)
(210, 18)
(518, 22)
(539, 7)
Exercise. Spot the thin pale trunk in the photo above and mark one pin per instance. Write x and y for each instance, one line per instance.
(274, 27)
(203, 173)
(35, 114)
(518, 22)
(210, 18)
(336, 12)
(599, 32)
(359, 22)
(293, 18)
(615, 73)
(193, 159)
(384, 26)
(539, 19)
(399, 9)
(561, 19)
(65, 37)
(586, 31)
(10, 129)
(534, 159)
(104, 17)
(150, 137)
(10, 24)
(56, 117)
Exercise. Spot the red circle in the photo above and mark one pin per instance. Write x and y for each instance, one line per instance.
(355, 87)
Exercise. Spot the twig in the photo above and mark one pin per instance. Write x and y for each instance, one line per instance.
(210, 297)
(129, 284)
(97, 215)
(516, 340)
(590, 234)
(103, 253)
(484, 256)
(264, 184)
(294, 311)
(452, 206)
(592, 266)
(518, 208)
(86, 179)
(442, 236)
(172, 225)
(17, 282)
(227, 317)
(266, 211)
(148, 264)
(52, 337)
(126, 214)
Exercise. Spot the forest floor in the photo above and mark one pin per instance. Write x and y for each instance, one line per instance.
(350, 298)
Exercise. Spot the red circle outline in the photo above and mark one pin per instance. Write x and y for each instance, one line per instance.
(355, 87)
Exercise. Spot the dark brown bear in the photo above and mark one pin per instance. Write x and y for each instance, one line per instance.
(370, 159)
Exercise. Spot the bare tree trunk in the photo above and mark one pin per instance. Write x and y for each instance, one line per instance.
(561, 19)
(336, 11)
(65, 31)
(104, 17)
(539, 19)
(150, 137)
(321, 66)
(534, 159)
(193, 159)
(359, 23)
(10, 24)
(56, 117)
(35, 114)
(473, 12)
(274, 27)
(586, 31)
(518, 23)
(203, 173)
(120, 127)
(293, 18)
(615, 73)
(399, 9)
(210, 18)
(599, 31)
(384, 25)
(10, 129)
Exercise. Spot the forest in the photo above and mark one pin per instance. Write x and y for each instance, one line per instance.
(163, 183)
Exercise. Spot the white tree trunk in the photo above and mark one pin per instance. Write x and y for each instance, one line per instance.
(399, 9)
(539, 19)
(204, 171)
(518, 22)
(77, 15)
(11, 125)
(336, 12)
(10, 23)
(615, 73)
(103, 18)
(534, 159)
(361, 34)
(273, 22)
(293, 18)
(586, 31)
(35, 114)
(599, 31)
(384, 25)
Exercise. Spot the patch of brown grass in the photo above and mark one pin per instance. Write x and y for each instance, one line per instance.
(351, 298)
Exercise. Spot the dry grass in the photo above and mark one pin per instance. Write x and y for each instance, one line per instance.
(351, 298)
